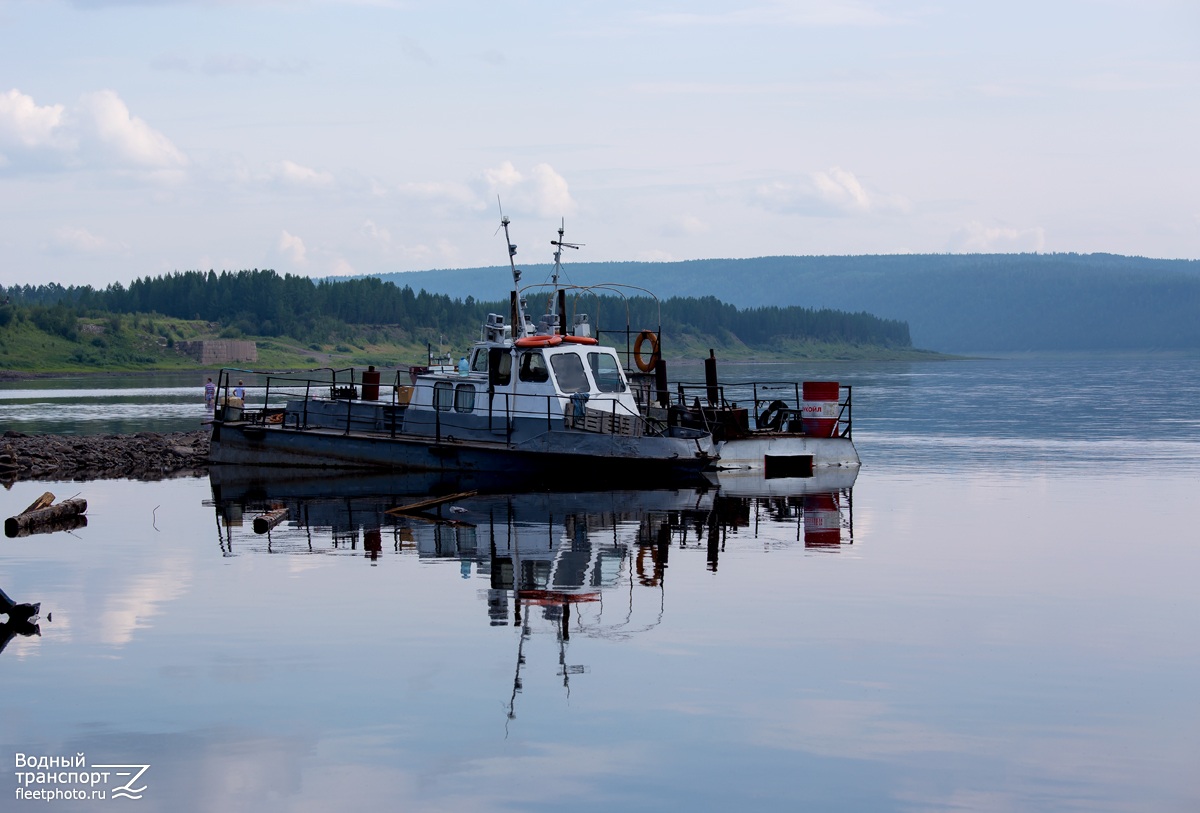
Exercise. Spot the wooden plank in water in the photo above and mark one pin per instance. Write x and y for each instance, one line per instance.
(44, 501)
(429, 503)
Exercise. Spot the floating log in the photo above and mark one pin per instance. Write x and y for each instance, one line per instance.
(71, 522)
(269, 520)
(29, 520)
(414, 507)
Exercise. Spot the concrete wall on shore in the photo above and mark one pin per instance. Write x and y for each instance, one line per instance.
(219, 351)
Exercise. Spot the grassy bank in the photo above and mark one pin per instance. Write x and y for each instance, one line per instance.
(150, 343)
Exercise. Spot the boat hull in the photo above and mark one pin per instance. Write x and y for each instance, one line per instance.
(758, 451)
(561, 453)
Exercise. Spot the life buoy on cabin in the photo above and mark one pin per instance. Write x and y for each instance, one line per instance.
(538, 341)
(772, 416)
(642, 364)
(580, 339)
(275, 418)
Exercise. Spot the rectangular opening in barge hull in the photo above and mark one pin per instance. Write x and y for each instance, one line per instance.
(777, 466)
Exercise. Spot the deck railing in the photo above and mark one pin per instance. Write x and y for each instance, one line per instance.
(271, 392)
(757, 396)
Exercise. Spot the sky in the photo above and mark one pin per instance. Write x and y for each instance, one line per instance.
(335, 137)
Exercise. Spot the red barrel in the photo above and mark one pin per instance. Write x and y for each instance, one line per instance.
(819, 408)
(822, 520)
(370, 385)
(372, 542)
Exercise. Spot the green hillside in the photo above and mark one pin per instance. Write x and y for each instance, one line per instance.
(951, 302)
(298, 322)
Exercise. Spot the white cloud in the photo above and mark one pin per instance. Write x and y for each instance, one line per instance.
(74, 240)
(375, 234)
(24, 124)
(442, 253)
(543, 192)
(976, 237)
(832, 192)
(108, 126)
(655, 255)
(292, 248)
(289, 173)
(444, 195)
(375, 247)
(99, 133)
(685, 226)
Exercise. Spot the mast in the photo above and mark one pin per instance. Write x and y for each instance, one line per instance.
(558, 297)
(522, 328)
(559, 245)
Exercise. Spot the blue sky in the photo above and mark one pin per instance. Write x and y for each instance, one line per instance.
(337, 137)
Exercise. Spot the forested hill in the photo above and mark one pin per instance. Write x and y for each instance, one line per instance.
(264, 303)
(951, 302)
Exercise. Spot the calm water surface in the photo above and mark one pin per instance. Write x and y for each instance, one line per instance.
(999, 615)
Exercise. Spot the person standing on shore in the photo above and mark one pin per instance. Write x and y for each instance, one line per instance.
(210, 395)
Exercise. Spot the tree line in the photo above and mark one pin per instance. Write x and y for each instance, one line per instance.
(951, 302)
(265, 303)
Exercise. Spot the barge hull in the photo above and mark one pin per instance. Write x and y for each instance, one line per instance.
(588, 456)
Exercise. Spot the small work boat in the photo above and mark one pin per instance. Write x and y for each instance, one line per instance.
(529, 399)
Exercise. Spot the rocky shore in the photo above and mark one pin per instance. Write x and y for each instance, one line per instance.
(143, 456)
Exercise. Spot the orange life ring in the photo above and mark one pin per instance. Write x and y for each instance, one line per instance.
(581, 339)
(642, 364)
(276, 418)
(538, 341)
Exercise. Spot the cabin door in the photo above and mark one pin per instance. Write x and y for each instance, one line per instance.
(500, 364)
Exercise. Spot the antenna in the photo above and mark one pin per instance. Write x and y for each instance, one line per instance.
(522, 317)
(559, 245)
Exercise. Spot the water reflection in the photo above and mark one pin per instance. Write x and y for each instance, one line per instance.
(552, 540)
(20, 618)
(568, 565)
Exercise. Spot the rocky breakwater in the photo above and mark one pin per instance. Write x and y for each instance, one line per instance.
(142, 456)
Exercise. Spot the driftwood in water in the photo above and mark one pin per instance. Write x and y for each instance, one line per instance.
(44, 501)
(269, 520)
(71, 522)
(415, 507)
(44, 517)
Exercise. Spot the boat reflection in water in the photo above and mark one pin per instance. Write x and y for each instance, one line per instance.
(553, 560)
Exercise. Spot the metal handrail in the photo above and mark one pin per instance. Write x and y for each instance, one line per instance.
(302, 386)
(759, 393)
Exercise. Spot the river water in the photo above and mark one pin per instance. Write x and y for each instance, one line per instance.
(998, 614)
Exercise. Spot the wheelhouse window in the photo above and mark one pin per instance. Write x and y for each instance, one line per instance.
(568, 369)
(533, 367)
(479, 360)
(464, 398)
(607, 372)
(500, 372)
(443, 396)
